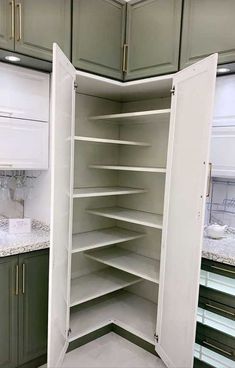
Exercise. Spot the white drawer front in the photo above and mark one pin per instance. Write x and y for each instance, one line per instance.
(23, 144)
(24, 93)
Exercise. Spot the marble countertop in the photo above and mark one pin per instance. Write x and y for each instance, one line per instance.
(11, 244)
(220, 250)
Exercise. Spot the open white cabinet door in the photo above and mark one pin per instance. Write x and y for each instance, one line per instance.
(186, 186)
(62, 130)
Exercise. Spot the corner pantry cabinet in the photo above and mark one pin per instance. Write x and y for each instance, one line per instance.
(129, 180)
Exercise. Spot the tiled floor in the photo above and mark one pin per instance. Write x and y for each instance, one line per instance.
(111, 351)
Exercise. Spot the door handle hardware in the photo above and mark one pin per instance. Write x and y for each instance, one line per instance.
(124, 61)
(12, 36)
(17, 280)
(217, 348)
(19, 7)
(6, 165)
(223, 269)
(209, 180)
(23, 278)
(220, 309)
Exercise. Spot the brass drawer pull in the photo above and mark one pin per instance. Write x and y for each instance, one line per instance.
(217, 348)
(17, 281)
(12, 20)
(124, 63)
(23, 278)
(19, 7)
(223, 269)
(220, 309)
(209, 180)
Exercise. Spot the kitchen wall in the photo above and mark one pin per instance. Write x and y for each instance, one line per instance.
(220, 206)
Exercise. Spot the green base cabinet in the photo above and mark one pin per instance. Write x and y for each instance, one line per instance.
(98, 36)
(33, 305)
(152, 37)
(208, 27)
(8, 312)
(23, 309)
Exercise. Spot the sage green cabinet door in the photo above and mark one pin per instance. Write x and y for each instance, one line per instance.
(98, 36)
(39, 24)
(153, 37)
(33, 305)
(208, 27)
(8, 312)
(7, 24)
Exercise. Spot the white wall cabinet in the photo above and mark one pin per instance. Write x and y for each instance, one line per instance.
(23, 144)
(24, 93)
(223, 152)
(223, 131)
(128, 190)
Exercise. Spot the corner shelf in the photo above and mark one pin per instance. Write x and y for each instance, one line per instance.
(128, 215)
(149, 116)
(129, 168)
(100, 283)
(131, 312)
(101, 238)
(125, 260)
(105, 191)
(111, 141)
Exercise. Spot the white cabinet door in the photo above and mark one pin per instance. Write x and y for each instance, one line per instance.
(24, 93)
(23, 144)
(223, 152)
(186, 183)
(62, 130)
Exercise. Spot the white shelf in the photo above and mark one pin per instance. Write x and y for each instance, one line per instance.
(99, 283)
(131, 312)
(111, 141)
(105, 191)
(125, 260)
(102, 238)
(150, 116)
(127, 215)
(129, 168)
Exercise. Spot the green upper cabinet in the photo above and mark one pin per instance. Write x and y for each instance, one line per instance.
(7, 24)
(98, 36)
(8, 311)
(40, 23)
(33, 302)
(152, 37)
(208, 27)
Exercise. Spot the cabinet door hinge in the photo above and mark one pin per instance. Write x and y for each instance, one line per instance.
(173, 90)
(69, 332)
(75, 86)
(156, 337)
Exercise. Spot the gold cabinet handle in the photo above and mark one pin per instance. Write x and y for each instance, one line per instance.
(12, 36)
(220, 309)
(19, 7)
(17, 280)
(209, 180)
(217, 348)
(23, 278)
(223, 269)
(124, 61)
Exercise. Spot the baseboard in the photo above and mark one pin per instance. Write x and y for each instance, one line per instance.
(112, 327)
(35, 363)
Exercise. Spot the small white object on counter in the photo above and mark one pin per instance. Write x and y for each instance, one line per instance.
(20, 226)
(220, 250)
(216, 231)
(10, 244)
